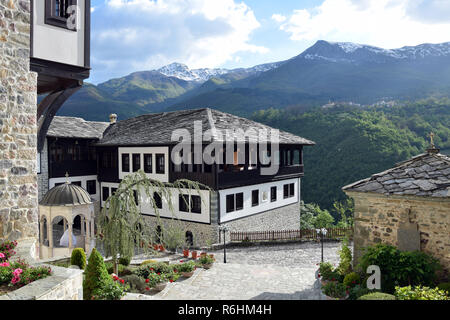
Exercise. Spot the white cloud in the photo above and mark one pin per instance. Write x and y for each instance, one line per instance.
(383, 23)
(278, 17)
(132, 35)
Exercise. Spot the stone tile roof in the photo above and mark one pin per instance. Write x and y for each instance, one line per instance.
(157, 128)
(427, 175)
(72, 127)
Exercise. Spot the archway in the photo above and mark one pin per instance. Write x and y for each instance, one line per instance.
(189, 238)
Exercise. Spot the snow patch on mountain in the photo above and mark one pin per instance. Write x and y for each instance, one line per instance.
(182, 71)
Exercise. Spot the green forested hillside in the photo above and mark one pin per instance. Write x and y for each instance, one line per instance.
(354, 143)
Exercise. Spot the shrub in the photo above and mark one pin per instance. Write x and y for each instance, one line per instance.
(112, 290)
(326, 270)
(136, 283)
(205, 259)
(377, 296)
(154, 278)
(400, 268)
(335, 289)
(110, 268)
(78, 258)
(420, 293)
(125, 261)
(445, 286)
(158, 267)
(7, 248)
(186, 266)
(147, 262)
(96, 276)
(5, 274)
(345, 254)
(352, 279)
(357, 291)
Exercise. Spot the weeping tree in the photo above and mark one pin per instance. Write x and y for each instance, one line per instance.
(120, 224)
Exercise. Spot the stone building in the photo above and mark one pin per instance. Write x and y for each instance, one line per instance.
(44, 49)
(407, 206)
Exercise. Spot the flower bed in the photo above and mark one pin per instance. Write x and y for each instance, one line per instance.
(16, 274)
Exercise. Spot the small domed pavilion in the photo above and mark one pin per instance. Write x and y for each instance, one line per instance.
(66, 221)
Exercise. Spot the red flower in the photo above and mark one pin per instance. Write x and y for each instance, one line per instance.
(318, 275)
(171, 280)
(146, 280)
(158, 273)
(333, 279)
(175, 270)
(147, 288)
(181, 261)
(122, 281)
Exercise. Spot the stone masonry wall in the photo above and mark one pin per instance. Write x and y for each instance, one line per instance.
(378, 217)
(18, 182)
(284, 218)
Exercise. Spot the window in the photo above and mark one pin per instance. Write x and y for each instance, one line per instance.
(230, 202)
(158, 200)
(288, 190)
(273, 194)
(148, 163)
(160, 163)
(235, 202)
(196, 204)
(77, 183)
(255, 198)
(105, 193)
(113, 191)
(183, 203)
(125, 162)
(56, 13)
(91, 186)
(239, 201)
(136, 162)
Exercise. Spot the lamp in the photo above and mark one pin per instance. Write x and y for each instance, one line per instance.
(224, 229)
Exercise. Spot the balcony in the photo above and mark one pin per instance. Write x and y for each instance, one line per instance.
(205, 178)
(229, 179)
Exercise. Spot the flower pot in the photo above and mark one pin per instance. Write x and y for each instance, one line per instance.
(207, 266)
(155, 247)
(194, 255)
(160, 286)
(161, 248)
(187, 274)
(186, 253)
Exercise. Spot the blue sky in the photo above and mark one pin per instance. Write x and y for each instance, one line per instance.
(136, 35)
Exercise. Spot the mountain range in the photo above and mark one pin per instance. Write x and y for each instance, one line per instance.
(332, 93)
(327, 71)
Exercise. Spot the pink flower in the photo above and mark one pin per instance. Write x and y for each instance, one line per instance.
(17, 272)
(2, 255)
(5, 264)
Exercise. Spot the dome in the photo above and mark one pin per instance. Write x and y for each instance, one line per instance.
(66, 194)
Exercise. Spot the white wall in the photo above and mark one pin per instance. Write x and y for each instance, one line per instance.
(147, 208)
(83, 179)
(141, 150)
(263, 205)
(58, 44)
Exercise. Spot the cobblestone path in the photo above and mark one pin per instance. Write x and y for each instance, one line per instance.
(276, 272)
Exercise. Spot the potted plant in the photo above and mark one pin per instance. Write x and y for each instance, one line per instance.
(186, 269)
(186, 253)
(206, 261)
(157, 281)
(335, 291)
(194, 254)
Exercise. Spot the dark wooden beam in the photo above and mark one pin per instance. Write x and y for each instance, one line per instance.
(47, 110)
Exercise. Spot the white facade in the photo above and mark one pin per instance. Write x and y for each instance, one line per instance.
(83, 179)
(146, 150)
(58, 44)
(146, 207)
(265, 202)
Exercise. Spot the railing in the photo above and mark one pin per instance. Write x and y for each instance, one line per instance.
(332, 233)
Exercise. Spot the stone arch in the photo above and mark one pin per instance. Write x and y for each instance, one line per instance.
(59, 226)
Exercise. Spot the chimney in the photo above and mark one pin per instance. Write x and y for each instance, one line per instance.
(112, 118)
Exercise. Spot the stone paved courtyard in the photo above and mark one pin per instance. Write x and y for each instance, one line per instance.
(275, 272)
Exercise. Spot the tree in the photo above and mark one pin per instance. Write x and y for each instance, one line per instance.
(96, 275)
(323, 219)
(120, 223)
(344, 210)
